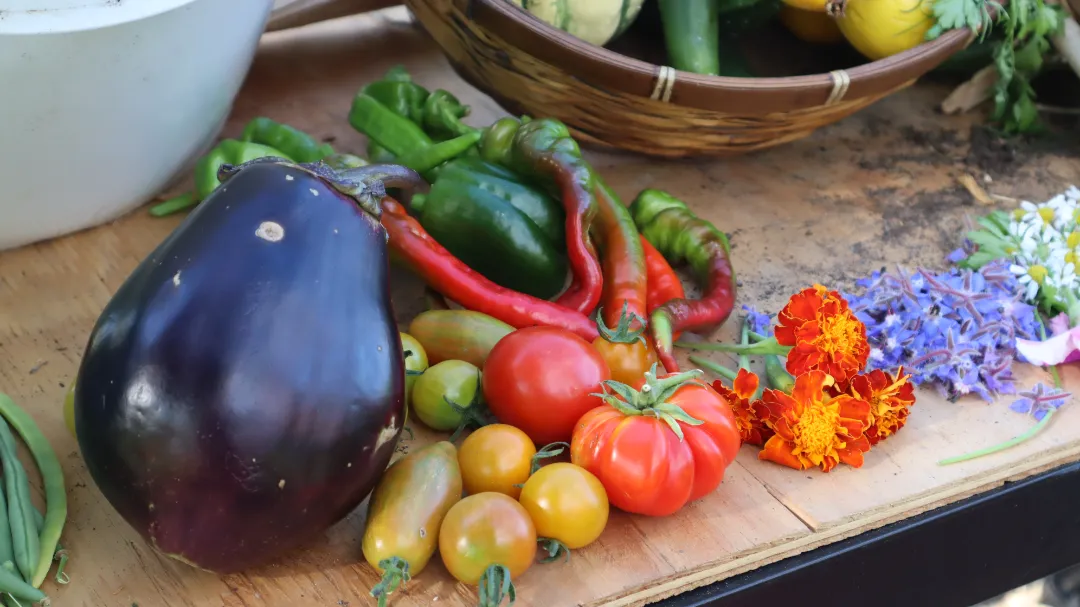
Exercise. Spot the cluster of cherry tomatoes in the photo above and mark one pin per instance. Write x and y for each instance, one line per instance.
(647, 445)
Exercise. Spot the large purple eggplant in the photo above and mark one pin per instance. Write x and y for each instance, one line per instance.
(243, 389)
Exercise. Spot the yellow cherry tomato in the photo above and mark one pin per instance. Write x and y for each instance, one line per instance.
(495, 458)
(485, 535)
(567, 503)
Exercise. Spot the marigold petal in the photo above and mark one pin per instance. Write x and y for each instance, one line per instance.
(852, 457)
(778, 451)
(746, 383)
(853, 408)
(808, 387)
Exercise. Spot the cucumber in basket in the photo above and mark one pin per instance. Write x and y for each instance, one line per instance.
(594, 21)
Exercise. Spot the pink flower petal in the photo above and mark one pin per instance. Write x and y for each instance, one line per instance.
(1056, 350)
(1059, 324)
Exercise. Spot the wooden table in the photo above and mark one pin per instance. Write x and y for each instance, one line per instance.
(876, 190)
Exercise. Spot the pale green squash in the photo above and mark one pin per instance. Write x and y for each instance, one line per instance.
(594, 21)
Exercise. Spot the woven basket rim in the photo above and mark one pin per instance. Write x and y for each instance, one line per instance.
(613, 71)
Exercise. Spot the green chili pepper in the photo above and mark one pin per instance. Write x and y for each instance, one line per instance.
(389, 129)
(497, 226)
(229, 151)
(294, 143)
(399, 94)
(442, 116)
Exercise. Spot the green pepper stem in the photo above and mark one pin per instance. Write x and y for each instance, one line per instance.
(761, 348)
(1001, 446)
(715, 368)
(428, 158)
(174, 205)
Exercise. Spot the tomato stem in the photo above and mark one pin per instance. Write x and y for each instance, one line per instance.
(554, 549)
(475, 415)
(395, 573)
(545, 452)
(495, 585)
(652, 399)
(622, 333)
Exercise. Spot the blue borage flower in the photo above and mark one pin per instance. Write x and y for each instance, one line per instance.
(956, 329)
(1040, 401)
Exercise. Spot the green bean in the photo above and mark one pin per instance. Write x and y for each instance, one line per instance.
(6, 553)
(11, 583)
(53, 478)
(61, 556)
(24, 535)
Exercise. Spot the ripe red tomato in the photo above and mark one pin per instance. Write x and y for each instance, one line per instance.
(542, 380)
(644, 465)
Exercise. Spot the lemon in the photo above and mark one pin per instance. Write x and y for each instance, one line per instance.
(810, 26)
(880, 28)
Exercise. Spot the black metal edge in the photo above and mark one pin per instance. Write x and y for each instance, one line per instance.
(956, 555)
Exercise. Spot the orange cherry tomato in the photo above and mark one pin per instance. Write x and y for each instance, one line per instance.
(495, 458)
(628, 361)
(567, 504)
(485, 535)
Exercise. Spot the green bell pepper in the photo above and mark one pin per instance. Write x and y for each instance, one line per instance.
(509, 232)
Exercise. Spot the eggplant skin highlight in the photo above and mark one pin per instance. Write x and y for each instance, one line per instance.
(244, 388)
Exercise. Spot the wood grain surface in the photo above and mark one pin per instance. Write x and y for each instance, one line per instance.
(876, 190)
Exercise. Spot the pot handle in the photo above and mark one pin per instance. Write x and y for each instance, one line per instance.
(288, 14)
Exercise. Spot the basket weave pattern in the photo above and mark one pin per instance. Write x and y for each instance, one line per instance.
(612, 118)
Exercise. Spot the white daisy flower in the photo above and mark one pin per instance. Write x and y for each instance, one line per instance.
(1030, 279)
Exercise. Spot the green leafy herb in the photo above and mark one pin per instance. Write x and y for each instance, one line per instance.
(1025, 30)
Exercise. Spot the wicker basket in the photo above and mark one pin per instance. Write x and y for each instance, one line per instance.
(613, 100)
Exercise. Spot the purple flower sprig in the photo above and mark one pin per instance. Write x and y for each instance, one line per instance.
(956, 329)
(1040, 401)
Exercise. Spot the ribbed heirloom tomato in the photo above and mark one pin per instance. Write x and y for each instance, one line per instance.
(658, 444)
(542, 380)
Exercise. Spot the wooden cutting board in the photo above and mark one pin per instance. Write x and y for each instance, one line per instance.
(876, 190)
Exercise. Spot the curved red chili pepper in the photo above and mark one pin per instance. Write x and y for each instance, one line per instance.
(663, 283)
(450, 276)
(625, 276)
(681, 236)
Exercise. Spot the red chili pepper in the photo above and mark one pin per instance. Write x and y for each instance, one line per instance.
(544, 150)
(625, 276)
(664, 284)
(683, 237)
(450, 276)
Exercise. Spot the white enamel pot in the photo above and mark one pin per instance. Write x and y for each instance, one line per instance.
(104, 102)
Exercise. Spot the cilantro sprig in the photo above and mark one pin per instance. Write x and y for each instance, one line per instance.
(1024, 28)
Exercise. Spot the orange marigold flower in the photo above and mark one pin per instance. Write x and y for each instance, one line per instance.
(752, 430)
(890, 398)
(814, 428)
(823, 334)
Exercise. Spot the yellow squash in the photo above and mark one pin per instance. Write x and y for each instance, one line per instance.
(405, 513)
(813, 6)
(810, 26)
(880, 28)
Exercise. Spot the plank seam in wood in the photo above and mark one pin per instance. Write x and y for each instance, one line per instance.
(748, 561)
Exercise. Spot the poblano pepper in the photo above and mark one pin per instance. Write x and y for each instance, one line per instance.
(510, 233)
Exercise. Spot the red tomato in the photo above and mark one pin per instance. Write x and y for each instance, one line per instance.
(643, 464)
(541, 380)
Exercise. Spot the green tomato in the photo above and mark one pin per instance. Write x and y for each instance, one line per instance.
(69, 409)
(415, 360)
(451, 381)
